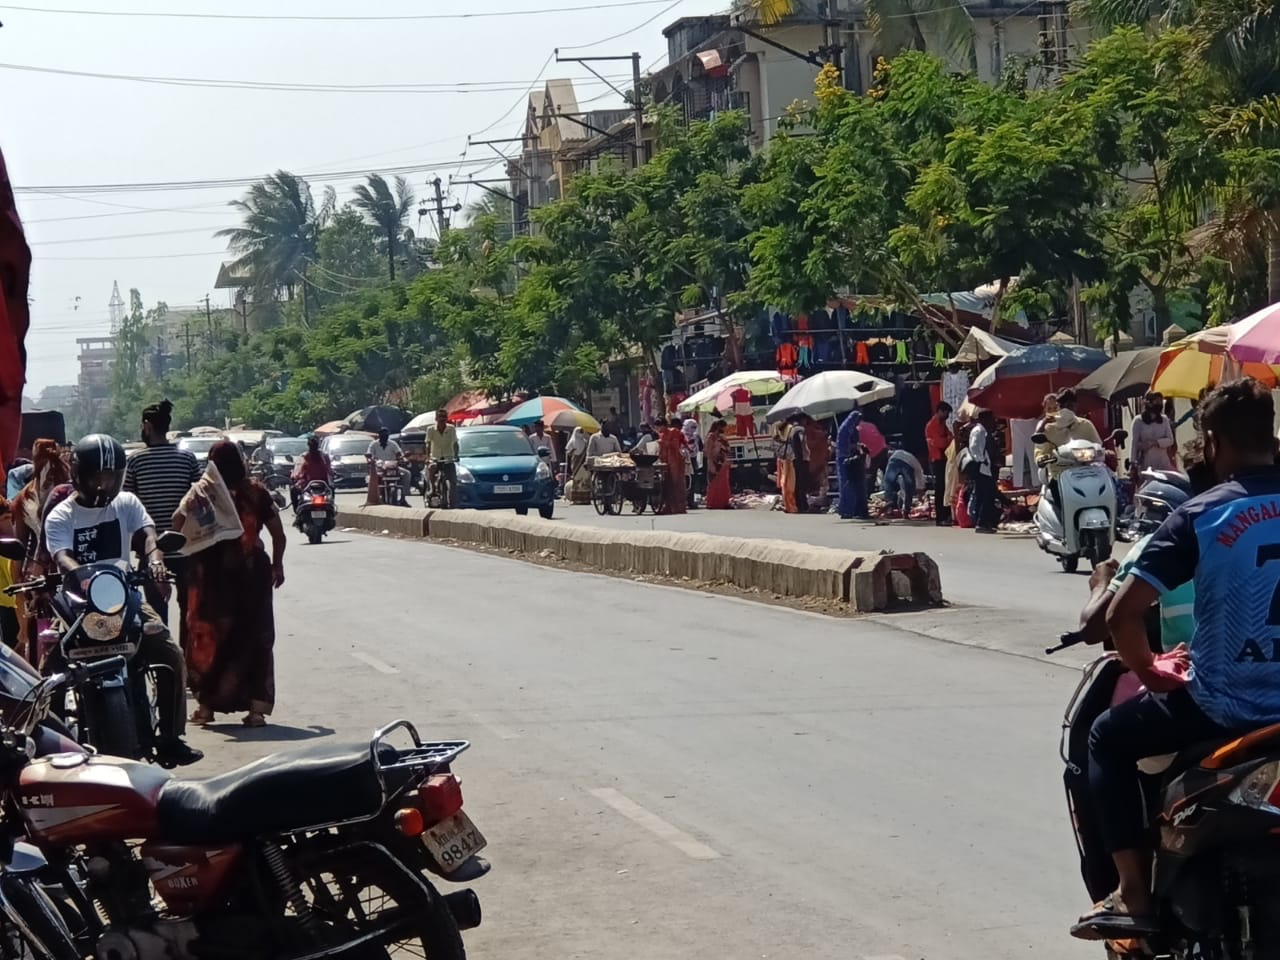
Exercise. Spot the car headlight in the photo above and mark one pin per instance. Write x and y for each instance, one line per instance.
(543, 471)
(464, 475)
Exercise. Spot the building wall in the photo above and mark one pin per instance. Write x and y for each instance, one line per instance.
(783, 78)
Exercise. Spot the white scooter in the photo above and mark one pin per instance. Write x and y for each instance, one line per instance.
(1081, 523)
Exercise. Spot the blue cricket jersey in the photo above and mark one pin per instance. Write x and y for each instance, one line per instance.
(1227, 541)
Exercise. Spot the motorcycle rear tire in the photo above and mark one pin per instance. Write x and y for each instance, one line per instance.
(111, 723)
(1069, 564)
(338, 885)
(314, 535)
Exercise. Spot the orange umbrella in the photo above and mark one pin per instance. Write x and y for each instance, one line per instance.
(1200, 361)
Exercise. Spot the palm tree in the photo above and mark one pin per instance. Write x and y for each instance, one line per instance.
(277, 239)
(386, 211)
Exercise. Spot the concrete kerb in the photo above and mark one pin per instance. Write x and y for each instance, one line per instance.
(868, 582)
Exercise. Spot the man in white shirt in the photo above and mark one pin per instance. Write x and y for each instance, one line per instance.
(387, 453)
(442, 456)
(541, 439)
(98, 525)
(982, 499)
(603, 443)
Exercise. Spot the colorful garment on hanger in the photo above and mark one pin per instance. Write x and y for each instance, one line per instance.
(744, 417)
(862, 354)
(939, 354)
(901, 352)
(788, 358)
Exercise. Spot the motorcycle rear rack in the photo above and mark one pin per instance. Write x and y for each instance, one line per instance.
(432, 754)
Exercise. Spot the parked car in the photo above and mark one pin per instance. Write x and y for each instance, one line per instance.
(348, 453)
(499, 469)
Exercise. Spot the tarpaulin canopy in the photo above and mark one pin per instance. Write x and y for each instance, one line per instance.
(375, 418)
(979, 345)
(15, 271)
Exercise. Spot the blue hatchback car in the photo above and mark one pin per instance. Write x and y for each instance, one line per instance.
(498, 469)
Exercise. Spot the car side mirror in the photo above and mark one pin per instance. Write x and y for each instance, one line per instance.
(1039, 438)
(170, 542)
(544, 452)
(13, 549)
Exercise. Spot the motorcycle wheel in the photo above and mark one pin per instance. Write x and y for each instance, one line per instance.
(314, 535)
(1069, 564)
(111, 723)
(351, 891)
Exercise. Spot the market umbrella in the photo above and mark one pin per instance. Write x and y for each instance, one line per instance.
(1256, 338)
(420, 422)
(333, 426)
(1016, 386)
(556, 412)
(1200, 361)
(830, 393)
(375, 418)
(760, 383)
(1125, 376)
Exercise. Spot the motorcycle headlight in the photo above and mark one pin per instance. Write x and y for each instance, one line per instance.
(1085, 456)
(101, 627)
(543, 472)
(465, 476)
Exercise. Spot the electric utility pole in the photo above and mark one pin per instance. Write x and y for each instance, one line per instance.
(635, 98)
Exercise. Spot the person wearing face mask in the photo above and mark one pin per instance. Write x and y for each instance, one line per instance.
(1153, 442)
(1228, 682)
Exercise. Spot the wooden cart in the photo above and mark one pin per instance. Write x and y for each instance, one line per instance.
(617, 480)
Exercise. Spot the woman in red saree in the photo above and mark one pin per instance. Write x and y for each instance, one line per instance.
(671, 451)
(231, 630)
(716, 449)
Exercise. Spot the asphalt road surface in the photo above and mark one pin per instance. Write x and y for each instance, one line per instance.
(662, 773)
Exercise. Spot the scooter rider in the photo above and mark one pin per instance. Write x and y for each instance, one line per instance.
(1060, 428)
(314, 466)
(1229, 680)
(442, 451)
(98, 525)
(386, 451)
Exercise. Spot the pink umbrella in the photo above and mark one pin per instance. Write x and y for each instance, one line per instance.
(1256, 338)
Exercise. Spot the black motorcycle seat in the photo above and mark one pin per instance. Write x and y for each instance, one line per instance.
(280, 793)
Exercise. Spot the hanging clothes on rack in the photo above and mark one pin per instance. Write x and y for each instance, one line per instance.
(955, 390)
(862, 354)
(743, 415)
(787, 358)
(1023, 462)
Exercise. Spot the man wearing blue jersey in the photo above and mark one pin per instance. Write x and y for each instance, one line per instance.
(1226, 541)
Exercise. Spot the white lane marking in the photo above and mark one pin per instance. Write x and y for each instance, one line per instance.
(374, 662)
(686, 844)
(887, 956)
(499, 731)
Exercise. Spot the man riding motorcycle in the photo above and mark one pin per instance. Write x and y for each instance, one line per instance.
(442, 452)
(385, 451)
(1229, 681)
(96, 525)
(313, 466)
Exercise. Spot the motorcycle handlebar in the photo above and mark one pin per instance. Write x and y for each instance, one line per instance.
(1065, 642)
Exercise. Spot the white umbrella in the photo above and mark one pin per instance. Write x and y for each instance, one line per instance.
(420, 422)
(759, 382)
(831, 393)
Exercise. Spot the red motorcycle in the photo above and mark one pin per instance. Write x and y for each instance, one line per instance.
(315, 853)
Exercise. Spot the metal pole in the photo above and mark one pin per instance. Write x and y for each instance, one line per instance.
(439, 207)
(639, 105)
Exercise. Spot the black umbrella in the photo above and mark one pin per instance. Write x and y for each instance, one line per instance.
(1124, 377)
(373, 419)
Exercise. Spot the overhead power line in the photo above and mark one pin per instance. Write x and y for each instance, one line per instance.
(214, 83)
(225, 182)
(338, 18)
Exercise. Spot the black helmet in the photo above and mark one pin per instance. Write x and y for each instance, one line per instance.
(97, 469)
(1159, 498)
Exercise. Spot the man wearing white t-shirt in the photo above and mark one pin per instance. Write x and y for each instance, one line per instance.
(98, 525)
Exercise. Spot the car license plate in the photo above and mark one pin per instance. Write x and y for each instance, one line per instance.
(508, 488)
(454, 841)
(319, 514)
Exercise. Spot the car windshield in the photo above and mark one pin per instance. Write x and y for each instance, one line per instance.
(198, 444)
(349, 446)
(287, 448)
(493, 443)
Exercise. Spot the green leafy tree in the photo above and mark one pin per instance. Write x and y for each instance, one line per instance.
(386, 209)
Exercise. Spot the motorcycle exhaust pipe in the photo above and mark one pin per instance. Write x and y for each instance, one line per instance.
(465, 907)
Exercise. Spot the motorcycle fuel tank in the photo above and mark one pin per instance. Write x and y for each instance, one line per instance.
(77, 798)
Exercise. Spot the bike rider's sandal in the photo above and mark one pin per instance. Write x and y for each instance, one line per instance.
(1110, 919)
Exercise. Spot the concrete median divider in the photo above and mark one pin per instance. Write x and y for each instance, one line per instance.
(868, 582)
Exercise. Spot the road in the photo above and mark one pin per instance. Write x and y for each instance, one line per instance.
(1012, 596)
(669, 774)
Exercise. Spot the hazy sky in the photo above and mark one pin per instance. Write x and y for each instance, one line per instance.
(71, 131)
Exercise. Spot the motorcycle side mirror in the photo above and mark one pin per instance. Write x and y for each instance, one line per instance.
(1120, 436)
(13, 550)
(170, 541)
(1039, 438)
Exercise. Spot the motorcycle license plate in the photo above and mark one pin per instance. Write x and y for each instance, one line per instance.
(508, 488)
(454, 841)
(107, 650)
(319, 514)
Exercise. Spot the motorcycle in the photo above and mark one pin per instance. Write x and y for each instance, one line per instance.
(1076, 515)
(316, 512)
(97, 617)
(1214, 812)
(315, 853)
(389, 488)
